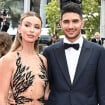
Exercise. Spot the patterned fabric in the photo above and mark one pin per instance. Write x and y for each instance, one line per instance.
(23, 80)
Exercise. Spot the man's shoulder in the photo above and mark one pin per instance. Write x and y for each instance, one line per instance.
(54, 46)
(93, 39)
(57, 44)
(94, 45)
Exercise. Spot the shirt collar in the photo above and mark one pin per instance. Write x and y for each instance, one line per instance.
(80, 41)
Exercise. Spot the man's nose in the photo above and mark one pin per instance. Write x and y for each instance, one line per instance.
(70, 25)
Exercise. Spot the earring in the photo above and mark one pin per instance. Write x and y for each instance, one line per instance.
(20, 36)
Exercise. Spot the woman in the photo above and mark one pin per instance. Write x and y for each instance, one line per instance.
(22, 69)
(5, 43)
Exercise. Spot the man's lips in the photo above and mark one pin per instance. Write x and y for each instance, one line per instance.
(70, 32)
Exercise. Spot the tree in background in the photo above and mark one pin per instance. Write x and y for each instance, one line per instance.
(91, 13)
(53, 16)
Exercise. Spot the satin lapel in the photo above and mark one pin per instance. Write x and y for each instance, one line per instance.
(83, 60)
(61, 59)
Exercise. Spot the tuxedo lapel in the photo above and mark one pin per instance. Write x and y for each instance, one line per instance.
(61, 59)
(83, 60)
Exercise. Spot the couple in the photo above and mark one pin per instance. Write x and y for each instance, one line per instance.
(76, 74)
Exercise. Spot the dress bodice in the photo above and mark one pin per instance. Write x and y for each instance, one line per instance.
(28, 86)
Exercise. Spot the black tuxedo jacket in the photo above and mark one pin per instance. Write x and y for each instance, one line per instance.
(88, 87)
(95, 41)
(5, 26)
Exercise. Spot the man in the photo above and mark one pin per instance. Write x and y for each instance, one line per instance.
(76, 75)
(97, 39)
(4, 24)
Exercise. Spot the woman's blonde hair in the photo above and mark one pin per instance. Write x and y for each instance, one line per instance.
(17, 41)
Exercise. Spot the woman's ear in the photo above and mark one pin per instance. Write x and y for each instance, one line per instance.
(19, 29)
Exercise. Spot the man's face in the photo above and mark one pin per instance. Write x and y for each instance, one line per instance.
(3, 17)
(97, 36)
(71, 24)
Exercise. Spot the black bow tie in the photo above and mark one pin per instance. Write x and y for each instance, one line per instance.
(75, 46)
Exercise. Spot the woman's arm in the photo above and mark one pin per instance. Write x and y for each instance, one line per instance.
(5, 78)
(47, 91)
(11, 101)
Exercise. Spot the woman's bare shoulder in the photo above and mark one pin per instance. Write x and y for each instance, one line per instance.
(8, 58)
(7, 63)
(44, 59)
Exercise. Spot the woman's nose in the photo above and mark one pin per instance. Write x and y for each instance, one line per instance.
(32, 29)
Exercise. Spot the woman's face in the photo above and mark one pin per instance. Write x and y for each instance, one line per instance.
(30, 29)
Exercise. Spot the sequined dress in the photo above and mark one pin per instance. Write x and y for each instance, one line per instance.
(28, 87)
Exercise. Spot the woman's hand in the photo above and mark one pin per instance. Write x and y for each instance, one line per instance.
(11, 101)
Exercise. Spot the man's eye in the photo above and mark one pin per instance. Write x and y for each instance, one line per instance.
(66, 21)
(76, 21)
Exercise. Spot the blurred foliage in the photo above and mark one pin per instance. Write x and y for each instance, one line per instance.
(91, 11)
(53, 16)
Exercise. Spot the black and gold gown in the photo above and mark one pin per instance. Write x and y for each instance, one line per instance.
(28, 87)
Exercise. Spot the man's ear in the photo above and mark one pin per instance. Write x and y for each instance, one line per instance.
(83, 23)
(60, 23)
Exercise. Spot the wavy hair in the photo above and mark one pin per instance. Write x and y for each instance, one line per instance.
(5, 43)
(18, 41)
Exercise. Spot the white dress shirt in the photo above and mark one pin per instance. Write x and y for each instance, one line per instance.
(72, 56)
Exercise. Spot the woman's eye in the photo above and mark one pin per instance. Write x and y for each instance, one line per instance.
(26, 25)
(37, 27)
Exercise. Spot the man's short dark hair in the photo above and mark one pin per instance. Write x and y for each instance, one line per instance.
(4, 12)
(71, 7)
